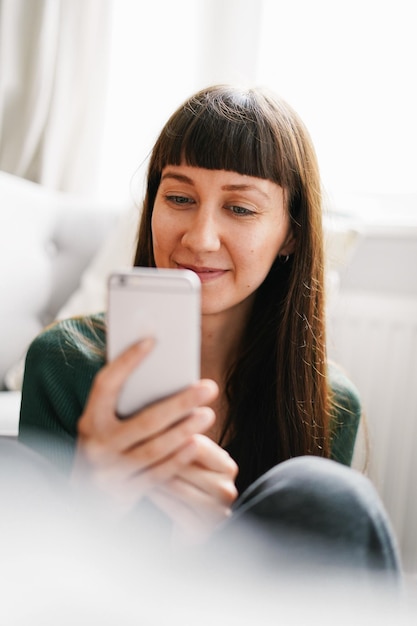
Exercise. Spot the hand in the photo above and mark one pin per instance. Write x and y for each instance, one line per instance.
(200, 495)
(127, 459)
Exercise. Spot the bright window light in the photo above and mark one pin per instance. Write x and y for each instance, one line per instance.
(349, 69)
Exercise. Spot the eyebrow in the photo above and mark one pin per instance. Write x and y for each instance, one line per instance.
(244, 187)
(180, 177)
(233, 187)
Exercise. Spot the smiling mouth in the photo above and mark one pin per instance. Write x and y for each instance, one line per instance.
(204, 273)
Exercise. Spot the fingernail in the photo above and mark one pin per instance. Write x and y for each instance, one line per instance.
(146, 344)
(207, 390)
(205, 417)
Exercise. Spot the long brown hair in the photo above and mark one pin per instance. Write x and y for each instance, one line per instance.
(278, 393)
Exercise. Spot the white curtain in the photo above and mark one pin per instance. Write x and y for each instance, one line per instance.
(54, 64)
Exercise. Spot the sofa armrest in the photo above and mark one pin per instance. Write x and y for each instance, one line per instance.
(9, 413)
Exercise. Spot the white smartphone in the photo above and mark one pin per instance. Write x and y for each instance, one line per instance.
(164, 304)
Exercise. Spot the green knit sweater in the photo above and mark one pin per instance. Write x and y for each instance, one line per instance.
(60, 367)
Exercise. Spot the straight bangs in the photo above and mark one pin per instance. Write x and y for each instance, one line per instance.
(227, 129)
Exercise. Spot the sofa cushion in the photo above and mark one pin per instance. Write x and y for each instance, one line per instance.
(9, 413)
(116, 252)
(26, 227)
(47, 238)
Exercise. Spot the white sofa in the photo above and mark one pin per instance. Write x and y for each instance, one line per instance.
(52, 246)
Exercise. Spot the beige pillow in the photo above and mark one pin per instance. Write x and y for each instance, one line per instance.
(116, 252)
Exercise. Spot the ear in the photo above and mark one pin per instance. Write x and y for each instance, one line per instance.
(288, 246)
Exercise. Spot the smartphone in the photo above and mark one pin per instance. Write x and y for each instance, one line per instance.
(164, 304)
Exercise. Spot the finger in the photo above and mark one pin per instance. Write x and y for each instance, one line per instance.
(125, 475)
(219, 487)
(128, 455)
(102, 440)
(211, 456)
(109, 380)
(193, 510)
(212, 470)
(163, 415)
(124, 485)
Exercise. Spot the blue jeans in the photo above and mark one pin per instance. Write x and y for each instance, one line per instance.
(308, 512)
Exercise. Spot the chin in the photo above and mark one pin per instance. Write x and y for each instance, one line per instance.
(212, 307)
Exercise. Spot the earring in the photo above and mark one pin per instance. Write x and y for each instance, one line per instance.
(284, 258)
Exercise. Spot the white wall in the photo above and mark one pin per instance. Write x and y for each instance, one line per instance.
(373, 335)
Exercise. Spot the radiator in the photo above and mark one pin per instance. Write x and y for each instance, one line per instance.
(374, 338)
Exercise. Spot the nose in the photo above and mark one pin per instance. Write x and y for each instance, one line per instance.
(202, 233)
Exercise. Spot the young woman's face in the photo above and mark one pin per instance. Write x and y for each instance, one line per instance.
(226, 227)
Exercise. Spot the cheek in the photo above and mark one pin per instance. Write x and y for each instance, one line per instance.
(164, 223)
(252, 265)
(258, 263)
(159, 234)
(166, 236)
(260, 252)
(160, 220)
(257, 256)
(276, 239)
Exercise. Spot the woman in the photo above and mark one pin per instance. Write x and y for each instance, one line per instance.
(233, 194)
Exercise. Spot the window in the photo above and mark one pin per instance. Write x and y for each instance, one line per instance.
(349, 69)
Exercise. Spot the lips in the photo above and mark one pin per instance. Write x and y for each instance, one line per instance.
(205, 274)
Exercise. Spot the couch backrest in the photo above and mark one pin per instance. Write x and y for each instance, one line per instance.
(47, 238)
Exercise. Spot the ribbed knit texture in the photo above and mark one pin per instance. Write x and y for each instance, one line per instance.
(60, 366)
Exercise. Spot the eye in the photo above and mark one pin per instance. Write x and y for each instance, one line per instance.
(179, 200)
(239, 210)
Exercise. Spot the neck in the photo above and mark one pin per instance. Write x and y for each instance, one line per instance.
(220, 339)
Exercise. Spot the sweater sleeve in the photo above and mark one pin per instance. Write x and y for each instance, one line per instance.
(346, 415)
(60, 367)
